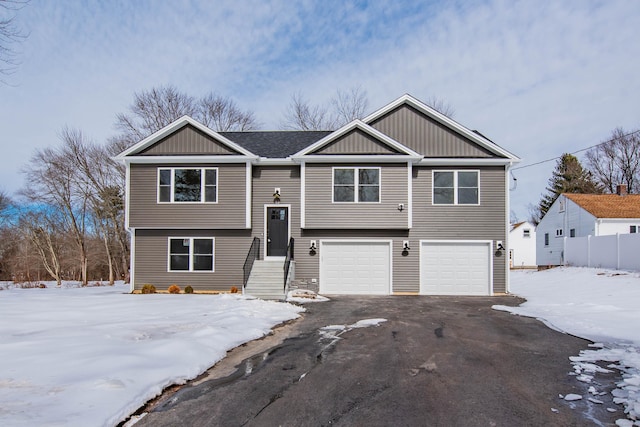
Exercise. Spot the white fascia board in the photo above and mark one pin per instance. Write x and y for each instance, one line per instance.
(446, 121)
(274, 162)
(366, 158)
(172, 127)
(360, 125)
(188, 159)
(458, 161)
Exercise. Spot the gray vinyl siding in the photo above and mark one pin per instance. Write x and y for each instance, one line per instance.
(228, 213)
(426, 136)
(446, 222)
(151, 259)
(321, 212)
(265, 181)
(356, 142)
(187, 141)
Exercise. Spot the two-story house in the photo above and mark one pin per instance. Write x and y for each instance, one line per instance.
(580, 215)
(405, 201)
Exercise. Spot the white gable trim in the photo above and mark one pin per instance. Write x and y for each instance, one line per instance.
(357, 124)
(173, 127)
(446, 121)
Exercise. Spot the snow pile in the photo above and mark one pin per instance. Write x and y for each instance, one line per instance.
(304, 296)
(598, 305)
(92, 356)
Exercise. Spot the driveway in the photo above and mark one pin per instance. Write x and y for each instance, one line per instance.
(436, 361)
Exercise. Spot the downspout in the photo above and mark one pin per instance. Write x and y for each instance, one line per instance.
(507, 273)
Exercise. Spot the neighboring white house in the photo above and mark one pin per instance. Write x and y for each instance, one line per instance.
(579, 215)
(522, 245)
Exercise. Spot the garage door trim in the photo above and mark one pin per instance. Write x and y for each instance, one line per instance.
(489, 244)
(388, 242)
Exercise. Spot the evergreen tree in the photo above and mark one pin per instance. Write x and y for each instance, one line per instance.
(568, 177)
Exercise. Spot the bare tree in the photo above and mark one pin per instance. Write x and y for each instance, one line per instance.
(300, 115)
(152, 110)
(52, 182)
(441, 106)
(100, 177)
(349, 105)
(43, 228)
(10, 35)
(222, 114)
(617, 161)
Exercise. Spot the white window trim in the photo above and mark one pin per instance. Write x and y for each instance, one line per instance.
(455, 187)
(356, 183)
(191, 246)
(173, 185)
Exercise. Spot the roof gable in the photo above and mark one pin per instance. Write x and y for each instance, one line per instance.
(187, 141)
(357, 139)
(432, 134)
(608, 205)
(185, 137)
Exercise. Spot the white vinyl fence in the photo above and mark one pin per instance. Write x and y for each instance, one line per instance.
(619, 251)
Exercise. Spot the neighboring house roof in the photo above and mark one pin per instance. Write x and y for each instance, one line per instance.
(516, 225)
(275, 144)
(608, 205)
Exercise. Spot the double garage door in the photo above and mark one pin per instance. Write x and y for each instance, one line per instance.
(446, 268)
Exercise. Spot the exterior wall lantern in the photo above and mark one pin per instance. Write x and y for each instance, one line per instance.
(312, 247)
(276, 195)
(405, 248)
(499, 248)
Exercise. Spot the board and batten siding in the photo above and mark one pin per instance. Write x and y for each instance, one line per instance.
(356, 142)
(486, 221)
(322, 213)
(187, 141)
(424, 135)
(152, 252)
(228, 213)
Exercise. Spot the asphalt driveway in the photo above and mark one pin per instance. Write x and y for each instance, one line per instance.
(436, 361)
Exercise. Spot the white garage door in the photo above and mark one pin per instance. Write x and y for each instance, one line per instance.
(455, 268)
(355, 267)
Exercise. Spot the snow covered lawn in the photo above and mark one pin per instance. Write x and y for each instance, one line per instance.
(91, 356)
(599, 305)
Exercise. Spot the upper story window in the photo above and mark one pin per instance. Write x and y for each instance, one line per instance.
(456, 187)
(633, 229)
(179, 185)
(546, 239)
(191, 254)
(572, 232)
(356, 185)
(526, 233)
(561, 205)
(559, 232)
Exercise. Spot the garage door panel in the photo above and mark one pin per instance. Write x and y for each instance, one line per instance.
(355, 268)
(455, 268)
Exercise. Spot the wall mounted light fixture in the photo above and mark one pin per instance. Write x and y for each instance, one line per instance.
(312, 246)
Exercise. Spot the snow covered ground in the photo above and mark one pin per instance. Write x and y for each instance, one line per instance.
(599, 305)
(91, 356)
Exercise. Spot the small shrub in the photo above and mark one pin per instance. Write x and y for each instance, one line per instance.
(234, 290)
(188, 289)
(148, 289)
(42, 286)
(174, 289)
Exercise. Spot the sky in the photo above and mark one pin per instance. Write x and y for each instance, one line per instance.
(113, 351)
(539, 78)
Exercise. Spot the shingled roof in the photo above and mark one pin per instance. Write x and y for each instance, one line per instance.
(275, 144)
(608, 205)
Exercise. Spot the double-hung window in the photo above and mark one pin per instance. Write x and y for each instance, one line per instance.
(356, 185)
(191, 254)
(456, 187)
(177, 185)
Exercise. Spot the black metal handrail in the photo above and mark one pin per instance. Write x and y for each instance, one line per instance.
(287, 261)
(254, 254)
